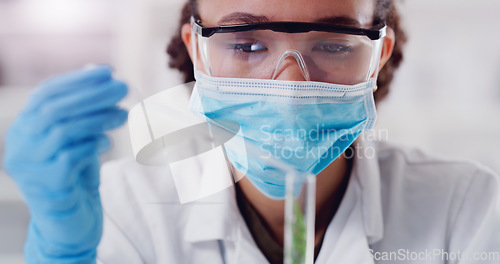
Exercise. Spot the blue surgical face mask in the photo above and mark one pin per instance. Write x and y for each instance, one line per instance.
(284, 125)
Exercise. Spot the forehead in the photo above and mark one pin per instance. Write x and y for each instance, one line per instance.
(213, 11)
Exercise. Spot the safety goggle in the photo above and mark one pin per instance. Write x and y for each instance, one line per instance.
(323, 52)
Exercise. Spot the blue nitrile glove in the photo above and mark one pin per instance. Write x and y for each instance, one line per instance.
(52, 153)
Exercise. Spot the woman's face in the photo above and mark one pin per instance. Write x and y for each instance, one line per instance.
(354, 13)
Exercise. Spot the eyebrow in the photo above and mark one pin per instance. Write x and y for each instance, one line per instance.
(247, 18)
(239, 18)
(340, 21)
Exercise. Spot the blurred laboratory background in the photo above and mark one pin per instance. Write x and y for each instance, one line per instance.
(445, 98)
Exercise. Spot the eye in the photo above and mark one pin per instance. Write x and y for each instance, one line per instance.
(249, 47)
(332, 48)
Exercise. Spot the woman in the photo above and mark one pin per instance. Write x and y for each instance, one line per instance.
(283, 72)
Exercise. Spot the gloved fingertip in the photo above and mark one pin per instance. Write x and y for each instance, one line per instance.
(98, 70)
(119, 118)
(68, 80)
(123, 114)
(103, 144)
(121, 88)
(93, 66)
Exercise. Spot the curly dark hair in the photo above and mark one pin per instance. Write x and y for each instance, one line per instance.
(385, 11)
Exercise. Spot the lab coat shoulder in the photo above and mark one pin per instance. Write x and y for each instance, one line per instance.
(442, 203)
(131, 194)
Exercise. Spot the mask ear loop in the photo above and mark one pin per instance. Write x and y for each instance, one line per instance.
(194, 50)
(376, 61)
(298, 58)
(198, 42)
(378, 45)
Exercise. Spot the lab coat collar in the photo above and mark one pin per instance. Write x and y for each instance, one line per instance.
(366, 172)
(217, 217)
(358, 221)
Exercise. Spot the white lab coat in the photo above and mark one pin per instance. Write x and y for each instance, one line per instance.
(400, 203)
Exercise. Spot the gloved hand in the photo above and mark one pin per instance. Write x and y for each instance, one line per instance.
(52, 153)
